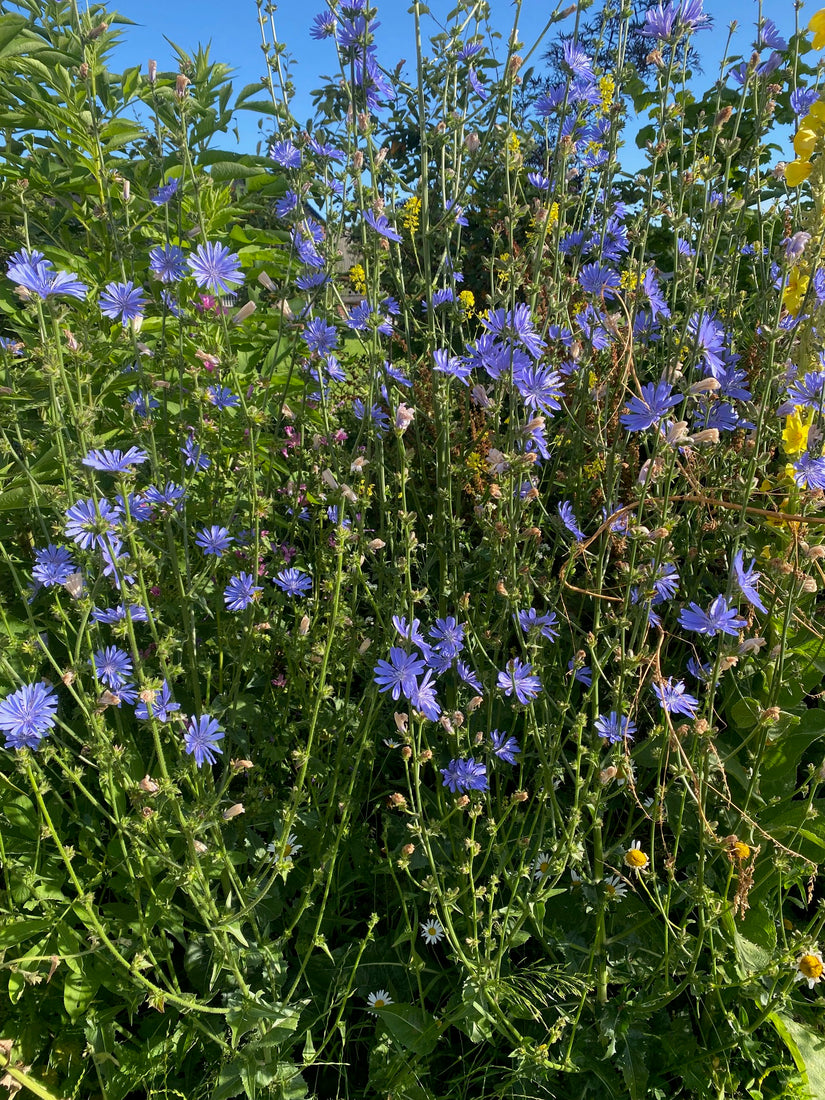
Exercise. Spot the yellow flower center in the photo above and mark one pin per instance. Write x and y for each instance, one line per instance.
(379, 1002)
(741, 850)
(636, 858)
(811, 966)
(544, 867)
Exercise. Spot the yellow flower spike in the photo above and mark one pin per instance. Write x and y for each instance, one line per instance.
(797, 171)
(817, 28)
(795, 433)
(804, 143)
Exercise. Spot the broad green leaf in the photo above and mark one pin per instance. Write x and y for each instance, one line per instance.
(807, 1048)
(78, 991)
(411, 1027)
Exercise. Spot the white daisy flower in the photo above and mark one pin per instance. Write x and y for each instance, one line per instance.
(432, 930)
(809, 968)
(541, 866)
(379, 999)
(614, 888)
(286, 851)
(635, 858)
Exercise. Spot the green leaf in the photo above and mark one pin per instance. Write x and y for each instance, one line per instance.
(227, 170)
(12, 41)
(78, 993)
(754, 939)
(18, 931)
(745, 713)
(281, 1019)
(262, 106)
(411, 1027)
(632, 1051)
(807, 1048)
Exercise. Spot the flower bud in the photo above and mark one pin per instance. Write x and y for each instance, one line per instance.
(722, 117)
(245, 311)
(153, 71)
(233, 811)
(181, 84)
(472, 142)
(148, 785)
(706, 385)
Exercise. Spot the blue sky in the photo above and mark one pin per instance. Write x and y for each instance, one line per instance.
(233, 31)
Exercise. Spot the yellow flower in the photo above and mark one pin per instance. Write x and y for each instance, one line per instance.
(814, 120)
(794, 293)
(817, 28)
(357, 278)
(412, 212)
(804, 143)
(629, 280)
(466, 300)
(514, 146)
(552, 215)
(607, 88)
(797, 171)
(795, 434)
(740, 850)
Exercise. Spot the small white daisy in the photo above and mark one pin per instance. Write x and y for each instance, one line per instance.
(432, 930)
(379, 999)
(288, 850)
(614, 888)
(809, 968)
(635, 858)
(541, 866)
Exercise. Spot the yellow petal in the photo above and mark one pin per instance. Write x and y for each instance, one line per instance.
(804, 143)
(797, 171)
(817, 28)
(817, 110)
